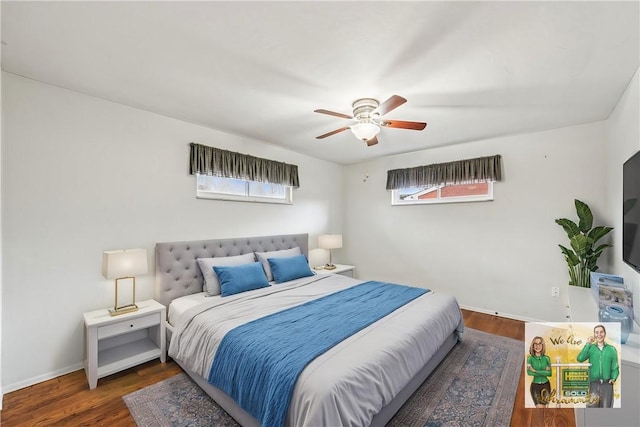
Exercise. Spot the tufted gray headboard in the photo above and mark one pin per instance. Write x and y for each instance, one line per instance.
(177, 272)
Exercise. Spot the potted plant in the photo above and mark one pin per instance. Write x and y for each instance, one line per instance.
(582, 258)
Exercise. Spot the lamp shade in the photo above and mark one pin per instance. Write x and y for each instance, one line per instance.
(330, 241)
(124, 263)
(365, 130)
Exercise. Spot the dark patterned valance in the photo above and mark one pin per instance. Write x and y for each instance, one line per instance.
(469, 170)
(214, 161)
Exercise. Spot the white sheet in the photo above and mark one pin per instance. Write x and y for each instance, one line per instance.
(179, 305)
(348, 384)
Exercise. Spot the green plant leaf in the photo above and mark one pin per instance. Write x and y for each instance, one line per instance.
(585, 216)
(570, 227)
(583, 258)
(597, 251)
(584, 277)
(570, 256)
(581, 245)
(579, 276)
(598, 233)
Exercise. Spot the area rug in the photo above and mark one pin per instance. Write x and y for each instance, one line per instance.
(474, 386)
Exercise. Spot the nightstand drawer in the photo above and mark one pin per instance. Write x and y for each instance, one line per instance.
(128, 325)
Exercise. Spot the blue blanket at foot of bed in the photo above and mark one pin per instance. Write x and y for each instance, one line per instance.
(258, 363)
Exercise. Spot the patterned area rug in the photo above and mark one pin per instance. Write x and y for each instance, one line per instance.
(474, 386)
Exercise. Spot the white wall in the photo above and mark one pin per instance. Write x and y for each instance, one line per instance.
(623, 138)
(500, 256)
(81, 175)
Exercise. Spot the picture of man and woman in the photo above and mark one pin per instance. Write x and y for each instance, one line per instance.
(572, 365)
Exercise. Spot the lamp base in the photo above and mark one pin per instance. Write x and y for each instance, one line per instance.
(330, 267)
(122, 310)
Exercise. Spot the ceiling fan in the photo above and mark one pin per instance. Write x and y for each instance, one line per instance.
(368, 112)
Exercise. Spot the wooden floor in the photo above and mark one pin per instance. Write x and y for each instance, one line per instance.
(67, 400)
(534, 417)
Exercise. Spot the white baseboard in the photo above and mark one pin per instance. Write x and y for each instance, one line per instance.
(500, 314)
(40, 378)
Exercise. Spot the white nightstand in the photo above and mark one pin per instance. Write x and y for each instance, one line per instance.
(345, 270)
(115, 343)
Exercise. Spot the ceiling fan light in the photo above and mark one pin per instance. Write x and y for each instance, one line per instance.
(365, 130)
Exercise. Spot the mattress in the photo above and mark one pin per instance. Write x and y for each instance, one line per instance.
(350, 383)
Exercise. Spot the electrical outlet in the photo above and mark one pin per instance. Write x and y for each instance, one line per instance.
(555, 292)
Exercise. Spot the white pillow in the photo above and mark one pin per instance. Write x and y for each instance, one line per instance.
(211, 282)
(264, 256)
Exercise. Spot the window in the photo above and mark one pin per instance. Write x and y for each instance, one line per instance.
(445, 193)
(214, 187)
(227, 175)
(468, 180)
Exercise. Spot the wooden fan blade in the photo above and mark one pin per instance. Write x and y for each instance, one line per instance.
(333, 113)
(333, 132)
(390, 104)
(372, 141)
(403, 125)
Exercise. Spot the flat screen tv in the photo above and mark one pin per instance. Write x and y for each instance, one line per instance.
(631, 211)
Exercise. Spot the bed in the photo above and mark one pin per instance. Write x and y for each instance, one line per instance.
(363, 380)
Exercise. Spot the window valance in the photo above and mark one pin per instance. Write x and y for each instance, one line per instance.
(469, 170)
(214, 161)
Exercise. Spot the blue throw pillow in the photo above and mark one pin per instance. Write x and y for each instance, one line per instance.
(240, 278)
(285, 269)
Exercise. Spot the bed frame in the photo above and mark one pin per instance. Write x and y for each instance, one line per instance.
(177, 274)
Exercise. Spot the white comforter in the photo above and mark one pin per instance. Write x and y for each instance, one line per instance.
(348, 384)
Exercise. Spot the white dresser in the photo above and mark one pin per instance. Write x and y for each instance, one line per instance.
(583, 308)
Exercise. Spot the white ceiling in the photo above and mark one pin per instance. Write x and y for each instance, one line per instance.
(471, 70)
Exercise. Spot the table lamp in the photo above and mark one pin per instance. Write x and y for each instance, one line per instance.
(330, 241)
(124, 264)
